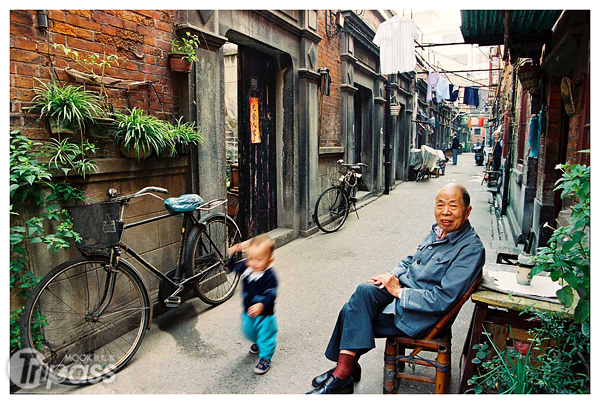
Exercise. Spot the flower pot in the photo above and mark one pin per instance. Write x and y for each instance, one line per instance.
(131, 154)
(181, 149)
(178, 64)
(103, 128)
(62, 128)
(167, 152)
(395, 109)
(524, 266)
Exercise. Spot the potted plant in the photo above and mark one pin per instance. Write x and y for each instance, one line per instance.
(137, 134)
(182, 135)
(183, 53)
(67, 108)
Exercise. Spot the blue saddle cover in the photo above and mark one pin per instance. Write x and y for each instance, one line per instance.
(183, 203)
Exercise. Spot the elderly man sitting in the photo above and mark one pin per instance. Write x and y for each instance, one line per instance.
(412, 297)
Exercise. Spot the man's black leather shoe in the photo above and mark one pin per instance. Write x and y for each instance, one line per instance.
(319, 380)
(333, 385)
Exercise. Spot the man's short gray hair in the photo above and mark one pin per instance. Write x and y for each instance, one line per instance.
(463, 192)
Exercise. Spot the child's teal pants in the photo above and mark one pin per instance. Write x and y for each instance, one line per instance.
(262, 330)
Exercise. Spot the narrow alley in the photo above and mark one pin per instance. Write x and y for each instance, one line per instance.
(204, 351)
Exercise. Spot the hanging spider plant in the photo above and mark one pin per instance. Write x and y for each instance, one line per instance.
(181, 135)
(139, 133)
(68, 106)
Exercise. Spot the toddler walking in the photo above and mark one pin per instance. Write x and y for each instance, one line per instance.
(259, 290)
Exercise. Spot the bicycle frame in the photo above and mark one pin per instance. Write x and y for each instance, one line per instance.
(188, 217)
(176, 283)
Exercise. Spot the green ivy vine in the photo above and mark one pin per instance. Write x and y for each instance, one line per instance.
(28, 180)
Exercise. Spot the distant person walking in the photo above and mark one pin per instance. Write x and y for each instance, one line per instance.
(497, 151)
(455, 146)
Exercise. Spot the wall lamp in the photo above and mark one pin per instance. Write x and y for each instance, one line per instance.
(42, 20)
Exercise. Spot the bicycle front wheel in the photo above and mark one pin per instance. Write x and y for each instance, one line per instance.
(85, 320)
(331, 209)
(206, 254)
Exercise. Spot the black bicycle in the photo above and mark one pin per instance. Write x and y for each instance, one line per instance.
(88, 316)
(333, 205)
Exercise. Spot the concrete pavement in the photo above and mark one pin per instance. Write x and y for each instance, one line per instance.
(199, 349)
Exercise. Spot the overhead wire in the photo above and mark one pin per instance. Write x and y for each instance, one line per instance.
(447, 71)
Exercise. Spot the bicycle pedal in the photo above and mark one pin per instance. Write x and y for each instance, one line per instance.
(173, 301)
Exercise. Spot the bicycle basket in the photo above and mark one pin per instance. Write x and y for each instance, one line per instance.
(98, 225)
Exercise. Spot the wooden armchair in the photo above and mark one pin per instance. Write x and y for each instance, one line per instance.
(438, 339)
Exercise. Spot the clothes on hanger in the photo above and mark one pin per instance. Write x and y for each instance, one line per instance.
(442, 90)
(483, 96)
(533, 138)
(396, 40)
(434, 77)
(325, 81)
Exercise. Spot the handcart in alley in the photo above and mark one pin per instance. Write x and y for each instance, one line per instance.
(424, 162)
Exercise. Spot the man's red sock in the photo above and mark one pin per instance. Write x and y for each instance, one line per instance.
(344, 366)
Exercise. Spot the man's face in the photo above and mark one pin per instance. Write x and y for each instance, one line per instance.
(450, 210)
(496, 136)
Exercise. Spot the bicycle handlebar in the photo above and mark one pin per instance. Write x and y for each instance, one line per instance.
(351, 165)
(152, 189)
(114, 195)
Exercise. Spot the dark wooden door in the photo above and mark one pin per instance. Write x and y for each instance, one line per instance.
(257, 161)
(358, 126)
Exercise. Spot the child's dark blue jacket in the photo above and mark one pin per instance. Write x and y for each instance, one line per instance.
(257, 290)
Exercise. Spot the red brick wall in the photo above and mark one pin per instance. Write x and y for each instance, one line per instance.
(580, 80)
(549, 152)
(329, 56)
(330, 107)
(139, 38)
(372, 18)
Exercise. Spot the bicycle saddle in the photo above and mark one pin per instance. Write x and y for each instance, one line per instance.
(356, 169)
(183, 203)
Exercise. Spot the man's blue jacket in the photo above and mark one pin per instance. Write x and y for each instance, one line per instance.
(435, 278)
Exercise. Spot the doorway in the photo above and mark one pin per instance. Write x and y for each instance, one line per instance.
(361, 145)
(257, 211)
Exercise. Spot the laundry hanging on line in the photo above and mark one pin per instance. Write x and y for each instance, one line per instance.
(396, 40)
(442, 91)
(471, 96)
(434, 77)
(483, 96)
(453, 93)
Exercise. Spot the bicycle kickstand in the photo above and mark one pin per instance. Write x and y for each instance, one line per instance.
(355, 210)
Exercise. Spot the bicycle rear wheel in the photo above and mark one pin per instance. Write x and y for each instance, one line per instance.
(206, 252)
(85, 321)
(331, 209)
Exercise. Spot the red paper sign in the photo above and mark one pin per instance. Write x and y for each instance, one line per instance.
(254, 121)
